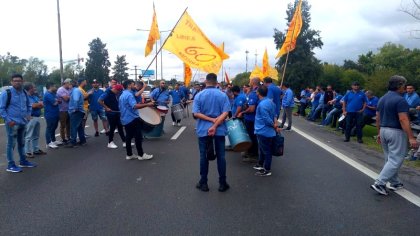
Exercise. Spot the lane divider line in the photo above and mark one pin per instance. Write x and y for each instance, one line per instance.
(409, 196)
(178, 133)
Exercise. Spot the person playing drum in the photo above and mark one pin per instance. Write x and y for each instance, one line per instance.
(160, 96)
(177, 96)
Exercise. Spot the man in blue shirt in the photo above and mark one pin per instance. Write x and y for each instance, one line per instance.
(354, 103)
(370, 111)
(131, 121)
(413, 101)
(393, 131)
(77, 113)
(211, 107)
(305, 96)
(177, 96)
(161, 98)
(274, 93)
(238, 102)
(34, 126)
(333, 115)
(249, 117)
(16, 115)
(288, 104)
(97, 110)
(51, 115)
(265, 129)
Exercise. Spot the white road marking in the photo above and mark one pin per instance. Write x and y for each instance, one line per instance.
(178, 133)
(1, 124)
(409, 196)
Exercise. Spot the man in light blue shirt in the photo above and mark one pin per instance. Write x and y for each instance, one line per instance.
(274, 93)
(15, 109)
(265, 129)
(287, 103)
(211, 107)
(77, 113)
(131, 121)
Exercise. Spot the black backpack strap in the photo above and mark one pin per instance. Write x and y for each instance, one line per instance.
(9, 97)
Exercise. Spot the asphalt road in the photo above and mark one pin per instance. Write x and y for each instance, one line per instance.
(93, 190)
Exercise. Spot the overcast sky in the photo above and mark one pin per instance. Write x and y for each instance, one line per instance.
(348, 28)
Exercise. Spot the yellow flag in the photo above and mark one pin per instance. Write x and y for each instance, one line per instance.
(256, 73)
(293, 32)
(153, 34)
(191, 45)
(265, 64)
(187, 75)
(273, 73)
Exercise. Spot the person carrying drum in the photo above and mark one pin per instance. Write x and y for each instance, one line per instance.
(131, 121)
(211, 107)
(160, 96)
(176, 108)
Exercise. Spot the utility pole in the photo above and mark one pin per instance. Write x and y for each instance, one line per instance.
(59, 42)
(256, 57)
(246, 59)
(135, 73)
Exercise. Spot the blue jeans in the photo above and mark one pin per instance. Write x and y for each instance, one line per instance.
(264, 151)
(330, 116)
(219, 143)
(76, 127)
(15, 133)
(32, 135)
(394, 144)
(52, 124)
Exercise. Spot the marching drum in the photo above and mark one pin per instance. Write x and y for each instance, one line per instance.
(238, 136)
(150, 118)
(178, 111)
(162, 109)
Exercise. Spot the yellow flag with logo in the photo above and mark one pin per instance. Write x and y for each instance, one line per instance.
(293, 32)
(192, 46)
(153, 34)
(256, 73)
(187, 75)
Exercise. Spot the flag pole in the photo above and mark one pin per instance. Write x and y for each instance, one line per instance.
(160, 49)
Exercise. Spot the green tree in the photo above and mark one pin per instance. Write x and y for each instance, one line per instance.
(9, 65)
(303, 68)
(391, 56)
(120, 69)
(241, 79)
(97, 64)
(350, 76)
(366, 63)
(36, 71)
(332, 75)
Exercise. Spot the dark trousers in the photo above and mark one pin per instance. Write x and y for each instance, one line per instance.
(354, 118)
(173, 118)
(52, 124)
(264, 153)
(253, 150)
(115, 122)
(133, 130)
(219, 148)
(302, 109)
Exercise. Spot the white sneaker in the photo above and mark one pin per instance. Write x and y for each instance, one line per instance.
(178, 124)
(145, 157)
(126, 145)
(57, 143)
(52, 145)
(173, 123)
(130, 157)
(116, 131)
(112, 145)
(103, 131)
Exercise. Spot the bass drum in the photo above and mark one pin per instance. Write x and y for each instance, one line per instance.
(238, 136)
(178, 111)
(150, 117)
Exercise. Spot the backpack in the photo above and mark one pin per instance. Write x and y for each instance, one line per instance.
(9, 97)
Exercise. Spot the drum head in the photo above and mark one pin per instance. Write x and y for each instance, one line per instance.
(149, 116)
(162, 108)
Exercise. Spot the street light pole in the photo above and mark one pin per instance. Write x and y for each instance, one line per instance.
(246, 59)
(59, 42)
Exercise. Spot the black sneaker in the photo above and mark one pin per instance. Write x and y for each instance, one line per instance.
(360, 141)
(40, 152)
(202, 187)
(395, 187)
(223, 187)
(258, 167)
(96, 134)
(381, 189)
(263, 173)
(29, 155)
(346, 140)
(82, 144)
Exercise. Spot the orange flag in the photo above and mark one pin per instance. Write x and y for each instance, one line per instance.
(192, 46)
(153, 34)
(293, 32)
(265, 64)
(187, 75)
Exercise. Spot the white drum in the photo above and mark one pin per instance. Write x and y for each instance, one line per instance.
(150, 117)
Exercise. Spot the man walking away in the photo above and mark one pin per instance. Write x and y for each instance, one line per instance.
(287, 103)
(51, 114)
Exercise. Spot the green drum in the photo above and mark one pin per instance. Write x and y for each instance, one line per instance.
(238, 136)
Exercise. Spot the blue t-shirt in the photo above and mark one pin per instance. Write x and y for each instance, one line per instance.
(413, 99)
(304, 95)
(159, 96)
(354, 101)
(110, 99)
(264, 118)
(372, 102)
(239, 101)
(337, 103)
(36, 112)
(211, 102)
(126, 104)
(19, 108)
(274, 94)
(76, 101)
(288, 98)
(177, 96)
(389, 106)
(93, 100)
(51, 110)
(252, 101)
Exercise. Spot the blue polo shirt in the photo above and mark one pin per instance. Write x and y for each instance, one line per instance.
(211, 102)
(413, 99)
(372, 102)
(186, 91)
(264, 118)
(239, 101)
(36, 112)
(389, 106)
(177, 96)
(304, 95)
(93, 100)
(160, 97)
(354, 101)
(76, 100)
(51, 110)
(252, 101)
(126, 104)
(274, 94)
(111, 100)
(18, 108)
(288, 98)
(337, 103)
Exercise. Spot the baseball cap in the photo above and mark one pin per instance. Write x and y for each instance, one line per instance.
(94, 81)
(80, 80)
(68, 80)
(118, 87)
